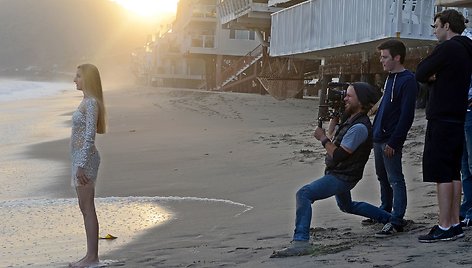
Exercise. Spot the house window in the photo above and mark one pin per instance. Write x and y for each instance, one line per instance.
(204, 41)
(242, 34)
(203, 38)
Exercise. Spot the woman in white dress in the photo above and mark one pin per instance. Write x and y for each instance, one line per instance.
(87, 120)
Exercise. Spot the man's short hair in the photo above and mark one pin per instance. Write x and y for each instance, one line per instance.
(395, 47)
(455, 19)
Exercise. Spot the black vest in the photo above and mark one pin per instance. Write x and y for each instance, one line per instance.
(352, 168)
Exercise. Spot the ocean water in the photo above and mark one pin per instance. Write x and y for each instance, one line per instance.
(19, 120)
(11, 90)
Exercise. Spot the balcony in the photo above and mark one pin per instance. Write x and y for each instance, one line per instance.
(245, 14)
(196, 15)
(204, 13)
(321, 28)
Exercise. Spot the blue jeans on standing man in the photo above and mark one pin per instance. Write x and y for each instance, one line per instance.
(327, 186)
(392, 183)
(466, 170)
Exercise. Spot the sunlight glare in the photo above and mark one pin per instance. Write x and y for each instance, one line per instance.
(149, 8)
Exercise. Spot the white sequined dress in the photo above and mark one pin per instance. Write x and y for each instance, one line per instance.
(82, 142)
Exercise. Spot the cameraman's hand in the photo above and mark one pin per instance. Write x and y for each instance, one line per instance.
(389, 151)
(332, 127)
(319, 133)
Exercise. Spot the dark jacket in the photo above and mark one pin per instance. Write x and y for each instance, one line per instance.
(352, 168)
(396, 111)
(451, 62)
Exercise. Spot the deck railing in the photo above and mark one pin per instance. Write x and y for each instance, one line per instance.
(229, 10)
(323, 24)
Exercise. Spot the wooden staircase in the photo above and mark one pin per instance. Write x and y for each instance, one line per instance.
(233, 72)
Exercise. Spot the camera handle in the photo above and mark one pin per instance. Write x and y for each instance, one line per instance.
(323, 114)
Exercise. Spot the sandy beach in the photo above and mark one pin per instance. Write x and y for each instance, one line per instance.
(218, 172)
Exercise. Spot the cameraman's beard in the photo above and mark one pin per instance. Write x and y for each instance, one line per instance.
(348, 110)
(351, 110)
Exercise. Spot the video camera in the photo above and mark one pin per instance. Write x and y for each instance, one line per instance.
(332, 103)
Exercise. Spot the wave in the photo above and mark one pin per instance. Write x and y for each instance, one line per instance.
(12, 90)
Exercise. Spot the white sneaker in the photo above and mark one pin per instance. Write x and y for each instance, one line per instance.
(296, 248)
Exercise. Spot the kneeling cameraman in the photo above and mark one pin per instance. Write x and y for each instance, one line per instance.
(346, 156)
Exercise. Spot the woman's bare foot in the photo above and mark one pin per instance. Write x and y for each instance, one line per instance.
(85, 262)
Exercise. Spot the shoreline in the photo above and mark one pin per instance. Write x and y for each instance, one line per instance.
(55, 192)
(252, 150)
(25, 124)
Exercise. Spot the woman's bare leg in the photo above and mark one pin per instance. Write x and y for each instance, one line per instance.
(86, 195)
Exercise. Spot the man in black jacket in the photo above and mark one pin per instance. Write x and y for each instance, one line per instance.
(447, 69)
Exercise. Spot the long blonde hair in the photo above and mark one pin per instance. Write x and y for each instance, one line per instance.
(92, 87)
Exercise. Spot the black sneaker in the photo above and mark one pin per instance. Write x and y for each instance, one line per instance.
(436, 234)
(457, 231)
(466, 223)
(366, 222)
(389, 229)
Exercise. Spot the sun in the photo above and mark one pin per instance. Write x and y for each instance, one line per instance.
(149, 8)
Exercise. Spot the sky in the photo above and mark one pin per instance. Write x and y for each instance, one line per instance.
(148, 9)
(65, 33)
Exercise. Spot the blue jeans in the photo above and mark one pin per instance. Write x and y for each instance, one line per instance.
(323, 188)
(466, 170)
(392, 183)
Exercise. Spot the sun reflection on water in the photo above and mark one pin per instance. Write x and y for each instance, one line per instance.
(51, 231)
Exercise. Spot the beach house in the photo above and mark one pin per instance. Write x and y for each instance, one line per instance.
(279, 46)
(194, 50)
